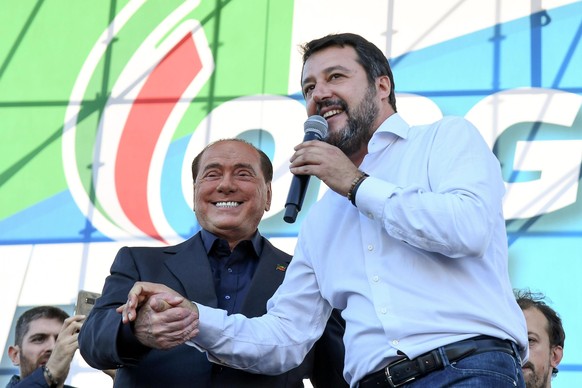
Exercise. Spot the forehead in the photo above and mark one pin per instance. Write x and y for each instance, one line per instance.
(47, 326)
(330, 58)
(536, 321)
(229, 153)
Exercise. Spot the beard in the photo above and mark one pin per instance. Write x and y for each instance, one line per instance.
(358, 130)
(535, 379)
(27, 366)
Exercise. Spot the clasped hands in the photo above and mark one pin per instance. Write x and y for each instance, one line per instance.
(162, 318)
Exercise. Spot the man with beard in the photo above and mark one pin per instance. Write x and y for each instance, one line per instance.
(410, 243)
(45, 342)
(546, 339)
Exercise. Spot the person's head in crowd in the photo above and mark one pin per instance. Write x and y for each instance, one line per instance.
(232, 188)
(36, 333)
(546, 339)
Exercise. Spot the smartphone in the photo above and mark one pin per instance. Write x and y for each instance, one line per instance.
(85, 302)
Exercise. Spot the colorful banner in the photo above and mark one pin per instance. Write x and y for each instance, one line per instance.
(103, 105)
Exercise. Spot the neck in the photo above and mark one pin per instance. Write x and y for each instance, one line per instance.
(358, 157)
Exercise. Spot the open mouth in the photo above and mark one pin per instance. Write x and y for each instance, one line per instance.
(227, 204)
(331, 113)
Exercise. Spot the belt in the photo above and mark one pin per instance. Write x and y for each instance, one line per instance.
(405, 370)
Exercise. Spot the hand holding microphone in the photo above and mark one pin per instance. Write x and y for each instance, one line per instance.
(315, 128)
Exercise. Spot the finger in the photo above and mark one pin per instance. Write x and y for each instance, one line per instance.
(127, 313)
(159, 304)
(171, 299)
(138, 290)
(133, 295)
(142, 290)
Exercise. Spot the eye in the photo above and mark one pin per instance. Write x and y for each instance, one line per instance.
(211, 175)
(37, 339)
(308, 89)
(244, 174)
(335, 76)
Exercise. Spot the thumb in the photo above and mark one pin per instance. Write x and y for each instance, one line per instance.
(163, 302)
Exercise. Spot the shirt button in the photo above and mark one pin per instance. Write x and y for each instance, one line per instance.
(370, 247)
(375, 278)
(229, 270)
(370, 215)
(395, 342)
(227, 297)
(383, 310)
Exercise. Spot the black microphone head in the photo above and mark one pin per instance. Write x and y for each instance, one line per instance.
(317, 125)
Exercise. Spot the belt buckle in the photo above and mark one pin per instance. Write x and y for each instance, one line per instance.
(389, 376)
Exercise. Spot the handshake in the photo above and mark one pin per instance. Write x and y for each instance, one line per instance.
(162, 318)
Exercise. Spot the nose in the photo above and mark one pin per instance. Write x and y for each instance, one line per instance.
(320, 93)
(50, 344)
(227, 184)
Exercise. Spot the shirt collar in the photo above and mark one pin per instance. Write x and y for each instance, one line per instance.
(391, 129)
(208, 239)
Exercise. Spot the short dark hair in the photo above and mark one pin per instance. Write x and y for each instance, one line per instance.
(23, 323)
(266, 165)
(527, 299)
(370, 57)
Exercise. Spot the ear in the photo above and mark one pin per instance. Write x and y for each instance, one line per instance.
(269, 197)
(556, 355)
(14, 354)
(383, 86)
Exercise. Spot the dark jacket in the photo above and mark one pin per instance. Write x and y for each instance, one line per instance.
(105, 343)
(34, 380)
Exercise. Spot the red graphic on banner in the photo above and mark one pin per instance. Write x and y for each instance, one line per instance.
(147, 117)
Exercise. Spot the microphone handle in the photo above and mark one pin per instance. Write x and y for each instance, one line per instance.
(295, 198)
(299, 183)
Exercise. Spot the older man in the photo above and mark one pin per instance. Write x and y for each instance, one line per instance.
(228, 265)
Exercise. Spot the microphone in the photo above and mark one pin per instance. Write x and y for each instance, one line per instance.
(315, 129)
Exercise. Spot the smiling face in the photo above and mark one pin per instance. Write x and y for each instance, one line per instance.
(335, 85)
(37, 345)
(543, 357)
(230, 192)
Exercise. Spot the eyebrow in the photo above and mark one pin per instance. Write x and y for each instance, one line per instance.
(327, 70)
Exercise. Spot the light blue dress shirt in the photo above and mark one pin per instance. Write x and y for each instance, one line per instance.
(421, 262)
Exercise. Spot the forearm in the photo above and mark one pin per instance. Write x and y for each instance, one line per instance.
(455, 224)
(447, 200)
(263, 345)
(277, 341)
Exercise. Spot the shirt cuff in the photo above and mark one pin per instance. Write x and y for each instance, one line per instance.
(211, 327)
(372, 196)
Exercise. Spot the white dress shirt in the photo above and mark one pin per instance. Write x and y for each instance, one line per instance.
(420, 263)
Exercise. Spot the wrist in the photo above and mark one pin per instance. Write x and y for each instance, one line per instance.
(50, 379)
(355, 186)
